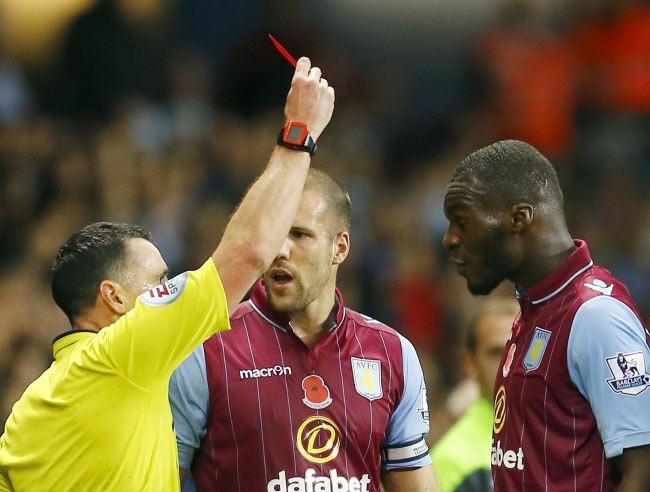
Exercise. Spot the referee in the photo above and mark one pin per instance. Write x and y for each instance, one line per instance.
(99, 417)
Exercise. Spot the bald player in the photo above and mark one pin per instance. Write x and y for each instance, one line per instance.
(461, 458)
(304, 394)
(570, 413)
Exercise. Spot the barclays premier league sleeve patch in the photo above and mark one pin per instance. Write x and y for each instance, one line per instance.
(629, 373)
(165, 293)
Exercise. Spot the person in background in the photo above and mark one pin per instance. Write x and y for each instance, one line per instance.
(461, 458)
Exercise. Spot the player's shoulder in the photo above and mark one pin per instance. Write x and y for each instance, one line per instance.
(605, 306)
(244, 313)
(598, 289)
(244, 309)
(599, 281)
(367, 323)
(374, 333)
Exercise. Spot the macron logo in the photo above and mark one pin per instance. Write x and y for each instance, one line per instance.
(600, 286)
(265, 372)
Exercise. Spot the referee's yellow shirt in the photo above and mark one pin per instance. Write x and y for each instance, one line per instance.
(99, 418)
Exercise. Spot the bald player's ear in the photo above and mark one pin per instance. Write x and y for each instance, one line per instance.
(341, 247)
(114, 296)
(521, 217)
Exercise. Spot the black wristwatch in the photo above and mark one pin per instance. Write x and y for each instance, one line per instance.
(295, 135)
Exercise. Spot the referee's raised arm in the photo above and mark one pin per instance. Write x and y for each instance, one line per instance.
(98, 418)
(172, 319)
(256, 231)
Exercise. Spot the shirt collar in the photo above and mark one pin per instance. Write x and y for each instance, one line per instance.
(260, 302)
(579, 261)
(62, 344)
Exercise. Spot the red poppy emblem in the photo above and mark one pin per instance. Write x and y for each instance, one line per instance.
(317, 394)
(511, 355)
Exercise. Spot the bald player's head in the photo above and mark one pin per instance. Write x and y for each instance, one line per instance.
(336, 198)
(304, 272)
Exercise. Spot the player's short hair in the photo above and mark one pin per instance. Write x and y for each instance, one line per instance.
(336, 196)
(498, 306)
(88, 257)
(512, 172)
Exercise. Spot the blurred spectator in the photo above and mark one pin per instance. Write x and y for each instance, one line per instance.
(613, 42)
(530, 73)
(15, 95)
(116, 49)
(462, 457)
(132, 131)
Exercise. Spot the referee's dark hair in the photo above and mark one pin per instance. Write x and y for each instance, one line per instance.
(512, 172)
(88, 257)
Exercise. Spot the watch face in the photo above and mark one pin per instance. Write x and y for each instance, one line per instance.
(295, 134)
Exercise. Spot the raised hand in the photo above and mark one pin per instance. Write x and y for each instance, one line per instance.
(310, 99)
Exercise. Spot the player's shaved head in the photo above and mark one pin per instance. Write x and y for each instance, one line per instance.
(336, 198)
(96, 253)
(511, 172)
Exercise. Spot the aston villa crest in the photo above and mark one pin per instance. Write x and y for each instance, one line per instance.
(536, 349)
(367, 377)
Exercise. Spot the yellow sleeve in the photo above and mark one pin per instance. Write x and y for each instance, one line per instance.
(166, 325)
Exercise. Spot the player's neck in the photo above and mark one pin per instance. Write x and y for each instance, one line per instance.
(550, 251)
(312, 323)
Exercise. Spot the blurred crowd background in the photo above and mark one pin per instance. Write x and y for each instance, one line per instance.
(160, 112)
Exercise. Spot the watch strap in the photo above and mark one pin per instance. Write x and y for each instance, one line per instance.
(308, 143)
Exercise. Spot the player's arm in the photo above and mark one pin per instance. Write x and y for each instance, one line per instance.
(634, 464)
(603, 328)
(257, 229)
(189, 399)
(406, 463)
(418, 480)
(169, 321)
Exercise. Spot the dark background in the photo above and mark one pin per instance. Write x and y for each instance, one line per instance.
(161, 113)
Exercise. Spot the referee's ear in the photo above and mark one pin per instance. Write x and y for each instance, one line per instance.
(115, 298)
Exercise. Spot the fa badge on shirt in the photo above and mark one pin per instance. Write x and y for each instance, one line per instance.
(629, 373)
(536, 349)
(367, 377)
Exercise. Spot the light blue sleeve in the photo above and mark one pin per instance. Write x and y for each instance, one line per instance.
(404, 446)
(188, 395)
(607, 356)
